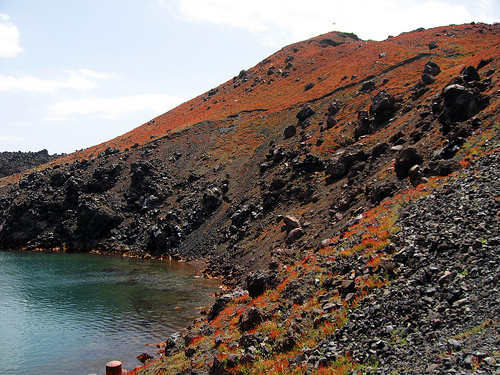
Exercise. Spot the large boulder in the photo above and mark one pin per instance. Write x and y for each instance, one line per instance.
(341, 163)
(407, 158)
(305, 112)
(469, 74)
(290, 131)
(257, 283)
(250, 318)
(294, 235)
(383, 106)
(431, 68)
(459, 103)
(291, 223)
(363, 126)
(461, 99)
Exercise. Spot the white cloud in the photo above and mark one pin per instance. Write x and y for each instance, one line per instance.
(487, 8)
(111, 108)
(250, 15)
(9, 38)
(76, 80)
(379, 20)
(299, 20)
(96, 75)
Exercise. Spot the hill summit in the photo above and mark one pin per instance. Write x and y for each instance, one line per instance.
(344, 191)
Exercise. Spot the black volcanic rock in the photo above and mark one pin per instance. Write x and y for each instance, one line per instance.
(431, 68)
(469, 74)
(305, 112)
(341, 163)
(459, 103)
(407, 158)
(383, 106)
(363, 125)
(290, 131)
(15, 162)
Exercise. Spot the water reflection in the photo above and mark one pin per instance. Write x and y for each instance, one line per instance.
(62, 312)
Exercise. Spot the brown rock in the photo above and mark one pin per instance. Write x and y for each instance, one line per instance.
(291, 223)
(290, 131)
(305, 112)
(250, 318)
(407, 158)
(363, 125)
(348, 286)
(144, 357)
(294, 235)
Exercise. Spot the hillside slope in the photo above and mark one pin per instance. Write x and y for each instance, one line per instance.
(290, 180)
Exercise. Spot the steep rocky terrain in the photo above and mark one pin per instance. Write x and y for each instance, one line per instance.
(344, 190)
(16, 162)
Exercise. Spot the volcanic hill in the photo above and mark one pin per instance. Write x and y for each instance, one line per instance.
(345, 191)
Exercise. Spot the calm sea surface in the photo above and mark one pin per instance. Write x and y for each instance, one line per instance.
(69, 314)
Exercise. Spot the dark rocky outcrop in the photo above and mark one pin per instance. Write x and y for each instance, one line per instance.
(459, 104)
(469, 74)
(16, 162)
(431, 68)
(257, 283)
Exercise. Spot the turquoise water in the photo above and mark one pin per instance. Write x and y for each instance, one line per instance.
(71, 313)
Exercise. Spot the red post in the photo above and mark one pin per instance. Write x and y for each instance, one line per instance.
(114, 368)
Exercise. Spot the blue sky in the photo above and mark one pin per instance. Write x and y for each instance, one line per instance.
(75, 73)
